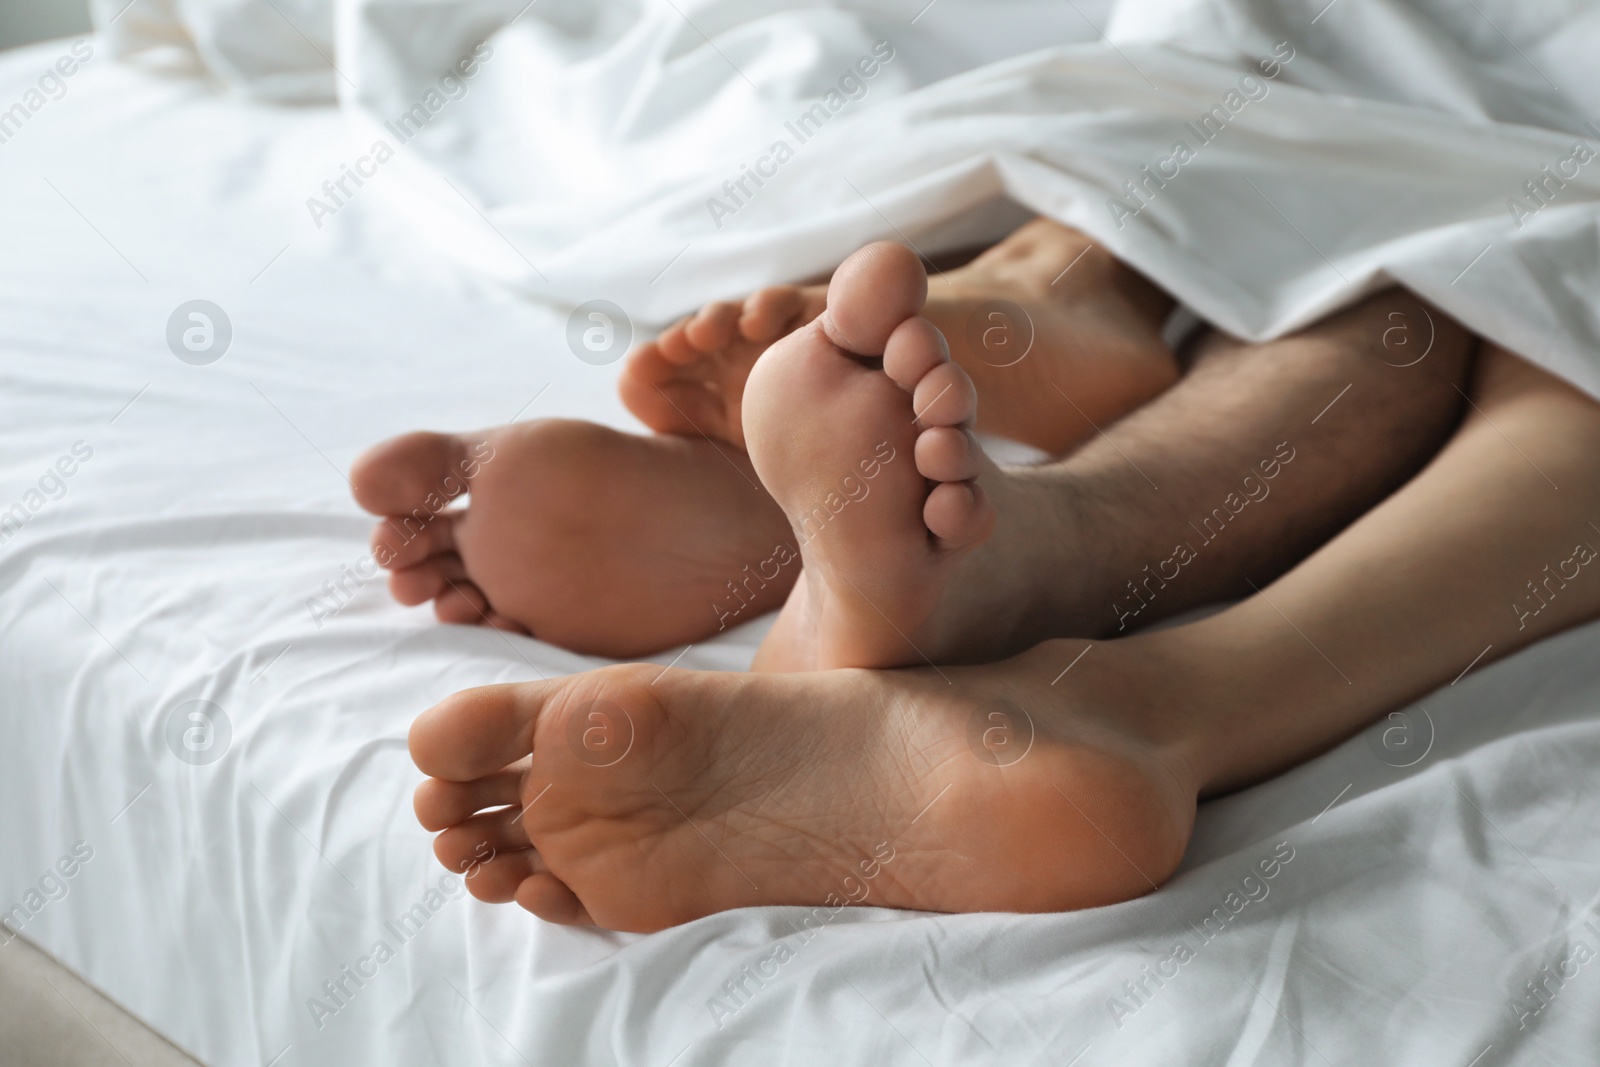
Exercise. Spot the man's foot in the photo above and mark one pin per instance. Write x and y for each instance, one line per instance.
(1056, 333)
(637, 801)
(600, 542)
(859, 426)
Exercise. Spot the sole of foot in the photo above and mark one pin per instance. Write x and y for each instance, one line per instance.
(860, 427)
(601, 542)
(690, 380)
(1058, 336)
(635, 801)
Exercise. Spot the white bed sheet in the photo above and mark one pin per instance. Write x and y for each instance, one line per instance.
(1265, 161)
(219, 898)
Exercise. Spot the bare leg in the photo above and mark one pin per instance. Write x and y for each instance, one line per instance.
(624, 545)
(673, 796)
(918, 549)
(1491, 547)
(668, 540)
(1195, 497)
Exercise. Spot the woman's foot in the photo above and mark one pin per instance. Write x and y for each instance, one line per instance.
(1057, 335)
(690, 380)
(600, 542)
(637, 801)
(917, 548)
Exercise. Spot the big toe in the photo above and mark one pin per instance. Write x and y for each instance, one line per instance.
(413, 471)
(476, 732)
(871, 293)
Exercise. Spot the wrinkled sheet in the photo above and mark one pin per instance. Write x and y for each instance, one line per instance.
(575, 149)
(1408, 910)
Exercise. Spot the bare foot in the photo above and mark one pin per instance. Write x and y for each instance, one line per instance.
(600, 542)
(637, 802)
(860, 427)
(690, 380)
(1057, 335)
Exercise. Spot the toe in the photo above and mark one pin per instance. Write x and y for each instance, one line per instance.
(490, 832)
(497, 621)
(768, 312)
(645, 386)
(549, 898)
(945, 397)
(477, 732)
(675, 347)
(461, 604)
(399, 542)
(441, 804)
(695, 410)
(914, 348)
(427, 580)
(414, 473)
(948, 454)
(647, 364)
(871, 293)
(494, 880)
(712, 329)
(959, 514)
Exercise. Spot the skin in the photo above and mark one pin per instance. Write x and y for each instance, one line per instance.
(639, 524)
(638, 800)
(943, 557)
(1074, 313)
(665, 542)
(669, 539)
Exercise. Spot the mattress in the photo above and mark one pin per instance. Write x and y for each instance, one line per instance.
(204, 787)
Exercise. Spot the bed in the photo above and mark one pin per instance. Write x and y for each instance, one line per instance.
(204, 787)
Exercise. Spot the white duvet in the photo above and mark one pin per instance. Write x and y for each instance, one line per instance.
(251, 882)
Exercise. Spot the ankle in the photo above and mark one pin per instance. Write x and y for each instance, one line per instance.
(1084, 571)
(1053, 262)
(1150, 688)
(1151, 304)
(1245, 689)
(1194, 682)
(1050, 559)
